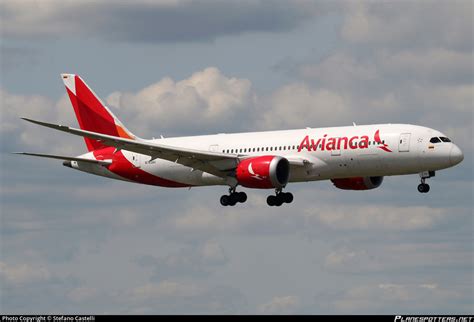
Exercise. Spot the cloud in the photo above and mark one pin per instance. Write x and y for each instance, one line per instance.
(390, 298)
(174, 253)
(380, 217)
(81, 294)
(164, 289)
(207, 98)
(18, 133)
(172, 297)
(308, 106)
(190, 261)
(398, 257)
(411, 24)
(151, 21)
(23, 273)
(280, 305)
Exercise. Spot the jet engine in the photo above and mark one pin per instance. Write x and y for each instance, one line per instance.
(358, 183)
(263, 172)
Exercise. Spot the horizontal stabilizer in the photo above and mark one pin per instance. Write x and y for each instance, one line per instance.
(61, 157)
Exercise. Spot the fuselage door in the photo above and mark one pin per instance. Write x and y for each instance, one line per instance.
(136, 160)
(214, 148)
(404, 142)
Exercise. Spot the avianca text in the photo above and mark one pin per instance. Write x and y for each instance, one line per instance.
(328, 144)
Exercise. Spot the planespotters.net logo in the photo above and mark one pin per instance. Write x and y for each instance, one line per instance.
(406, 318)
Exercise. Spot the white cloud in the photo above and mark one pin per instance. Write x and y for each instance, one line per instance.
(410, 63)
(379, 217)
(280, 305)
(80, 294)
(433, 65)
(409, 23)
(213, 252)
(389, 298)
(19, 133)
(205, 99)
(298, 105)
(400, 256)
(165, 289)
(23, 273)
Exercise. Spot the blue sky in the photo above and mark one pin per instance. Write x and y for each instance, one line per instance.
(72, 242)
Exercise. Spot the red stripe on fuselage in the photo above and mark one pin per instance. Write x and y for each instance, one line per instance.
(124, 168)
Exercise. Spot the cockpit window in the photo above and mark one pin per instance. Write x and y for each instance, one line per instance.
(435, 140)
(444, 139)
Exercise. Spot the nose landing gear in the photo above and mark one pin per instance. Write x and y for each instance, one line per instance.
(233, 198)
(279, 198)
(424, 187)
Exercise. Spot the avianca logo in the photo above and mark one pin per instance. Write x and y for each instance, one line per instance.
(330, 143)
(253, 174)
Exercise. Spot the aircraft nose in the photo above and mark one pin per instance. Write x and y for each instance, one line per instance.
(455, 155)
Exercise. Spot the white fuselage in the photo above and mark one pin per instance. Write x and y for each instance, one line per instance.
(336, 152)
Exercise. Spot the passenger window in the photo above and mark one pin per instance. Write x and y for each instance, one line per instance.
(435, 140)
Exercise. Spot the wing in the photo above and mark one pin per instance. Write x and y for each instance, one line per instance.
(61, 157)
(216, 163)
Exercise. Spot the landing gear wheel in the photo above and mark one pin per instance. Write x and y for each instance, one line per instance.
(233, 199)
(423, 188)
(242, 197)
(224, 200)
(287, 197)
(271, 201)
(427, 187)
(279, 200)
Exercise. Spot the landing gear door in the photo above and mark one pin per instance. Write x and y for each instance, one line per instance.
(404, 142)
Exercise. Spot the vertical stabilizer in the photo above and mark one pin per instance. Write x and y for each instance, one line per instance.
(91, 112)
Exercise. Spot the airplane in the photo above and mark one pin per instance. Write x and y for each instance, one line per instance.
(356, 157)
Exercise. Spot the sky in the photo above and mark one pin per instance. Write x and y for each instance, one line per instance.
(75, 243)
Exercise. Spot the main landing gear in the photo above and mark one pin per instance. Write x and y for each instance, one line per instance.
(424, 187)
(233, 198)
(279, 198)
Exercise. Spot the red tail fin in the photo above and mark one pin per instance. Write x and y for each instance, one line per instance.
(91, 113)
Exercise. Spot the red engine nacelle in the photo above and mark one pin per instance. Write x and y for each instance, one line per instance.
(263, 172)
(359, 183)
